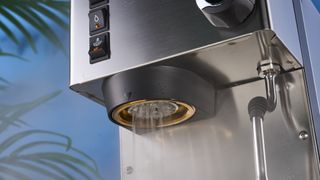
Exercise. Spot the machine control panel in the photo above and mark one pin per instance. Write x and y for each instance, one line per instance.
(99, 48)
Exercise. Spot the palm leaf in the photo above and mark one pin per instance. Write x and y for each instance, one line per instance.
(55, 161)
(51, 164)
(72, 167)
(37, 22)
(13, 173)
(20, 26)
(51, 15)
(19, 136)
(56, 168)
(33, 12)
(11, 115)
(56, 165)
(61, 157)
(30, 145)
(12, 55)
(8, 32)
(28, 166)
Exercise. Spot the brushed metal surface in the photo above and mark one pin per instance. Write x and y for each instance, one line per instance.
(220, 147)
(144, 31)
(308, 19)
(225, 63)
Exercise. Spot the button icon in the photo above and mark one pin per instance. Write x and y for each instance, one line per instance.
(98, 20)
(98, 42)
(99, 48)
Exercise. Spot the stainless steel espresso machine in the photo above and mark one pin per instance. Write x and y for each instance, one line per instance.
(201, 89)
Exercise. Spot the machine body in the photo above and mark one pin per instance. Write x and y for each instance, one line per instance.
(196, 61)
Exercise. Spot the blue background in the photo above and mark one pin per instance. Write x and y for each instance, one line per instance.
(47, 71)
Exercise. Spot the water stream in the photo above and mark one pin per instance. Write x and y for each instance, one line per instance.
(147, 121)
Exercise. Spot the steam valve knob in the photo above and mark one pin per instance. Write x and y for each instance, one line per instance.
(226, 13)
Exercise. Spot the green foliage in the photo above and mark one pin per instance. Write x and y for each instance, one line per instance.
(10, 115)
(13, 56)
(19, 155)
(42, 152)
(35, 13)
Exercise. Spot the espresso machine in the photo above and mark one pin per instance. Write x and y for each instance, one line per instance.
(202, 89)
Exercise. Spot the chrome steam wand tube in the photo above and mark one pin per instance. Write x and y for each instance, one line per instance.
(259, 149)
(257, 109)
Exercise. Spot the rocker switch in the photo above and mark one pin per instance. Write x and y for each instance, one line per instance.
(99, 48)
(98, 20)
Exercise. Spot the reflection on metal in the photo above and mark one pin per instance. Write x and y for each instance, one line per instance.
(257, 108)
(269, 69)
(220, 146)
(270, 81)
(216, 63)
(303, 135)
(259, 149)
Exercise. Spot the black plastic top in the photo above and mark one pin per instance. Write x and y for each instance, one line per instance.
(215, 2)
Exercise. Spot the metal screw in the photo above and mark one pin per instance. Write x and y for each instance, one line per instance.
(129, 170)
(303, 135)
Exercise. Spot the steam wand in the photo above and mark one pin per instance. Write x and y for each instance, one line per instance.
(257, 108)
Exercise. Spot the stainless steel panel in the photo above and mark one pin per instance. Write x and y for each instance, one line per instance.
(226, 63)
(308, 19)
(220, 147)
(144, 31)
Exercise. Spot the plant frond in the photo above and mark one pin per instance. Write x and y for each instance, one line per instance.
(72, 167)
(49, 14)
(30, 145)
(56, 168)
(54, 156)
(37, 22)
(13, 173)
(13, 113)
(33, 12)
(19, 136)
(31, 167)
(8, 32)
(4, 54)
(20, 26)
